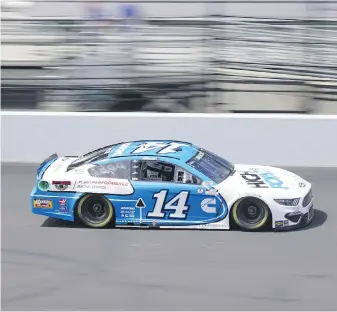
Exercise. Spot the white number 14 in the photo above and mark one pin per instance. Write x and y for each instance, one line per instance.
(165, 147)
(180, 210)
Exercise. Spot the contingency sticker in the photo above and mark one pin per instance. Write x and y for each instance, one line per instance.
(43, 203)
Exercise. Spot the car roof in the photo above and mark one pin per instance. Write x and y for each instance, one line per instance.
(152, 148)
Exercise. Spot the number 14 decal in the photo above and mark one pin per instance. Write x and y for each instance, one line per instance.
(178, 211)
(165, 148)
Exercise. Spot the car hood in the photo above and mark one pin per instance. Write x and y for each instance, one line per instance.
(264, 180)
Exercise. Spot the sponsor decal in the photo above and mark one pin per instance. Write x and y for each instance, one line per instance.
(43, 203)
(200, 155)
(63, 205)
(286, 222)
(206, 205)
(212, 225)
(253, 179)
(121, 150)
(262, 180)
(207, 183)
(43, 185)
(61, 186)
(212, 192)
(149, 158)
(278, 223)
(128, 212)
(100, 184)
(301, 184)
(200, 191)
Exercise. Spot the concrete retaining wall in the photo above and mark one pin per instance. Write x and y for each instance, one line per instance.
(284, 140)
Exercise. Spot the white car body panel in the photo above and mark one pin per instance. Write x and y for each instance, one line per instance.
(82, 181)
(287, 185)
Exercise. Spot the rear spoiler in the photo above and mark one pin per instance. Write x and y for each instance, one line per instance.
(46, 163)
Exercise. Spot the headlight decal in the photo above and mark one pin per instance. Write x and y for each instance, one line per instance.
(288, 202)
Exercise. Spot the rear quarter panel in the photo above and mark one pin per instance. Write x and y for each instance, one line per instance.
(58, 205)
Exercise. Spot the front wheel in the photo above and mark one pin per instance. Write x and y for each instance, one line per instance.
(95, 211)
(250, 214)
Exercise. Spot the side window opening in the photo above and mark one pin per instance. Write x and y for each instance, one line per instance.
(183, 176)
(157, 171)
(165, 172)
(113, 170)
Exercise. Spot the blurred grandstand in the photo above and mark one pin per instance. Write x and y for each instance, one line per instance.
(227, 56)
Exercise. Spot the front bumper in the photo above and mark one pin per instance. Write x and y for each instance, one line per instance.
(300, 218)
(304, 220)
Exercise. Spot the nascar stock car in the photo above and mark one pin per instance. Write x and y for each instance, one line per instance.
(169, 184)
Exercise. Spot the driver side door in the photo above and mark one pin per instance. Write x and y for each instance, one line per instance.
(183, 200)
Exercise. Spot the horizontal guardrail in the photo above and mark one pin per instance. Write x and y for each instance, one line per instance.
(281, 140)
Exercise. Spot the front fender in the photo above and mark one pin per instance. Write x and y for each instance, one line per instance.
(242, 196)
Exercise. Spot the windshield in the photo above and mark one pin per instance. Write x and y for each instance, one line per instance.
(213, 166)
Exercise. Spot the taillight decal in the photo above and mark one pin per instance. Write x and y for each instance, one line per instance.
(61, 185)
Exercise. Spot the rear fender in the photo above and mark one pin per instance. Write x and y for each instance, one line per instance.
(45, 164)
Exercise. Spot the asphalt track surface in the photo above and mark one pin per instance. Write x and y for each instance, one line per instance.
(51, 265)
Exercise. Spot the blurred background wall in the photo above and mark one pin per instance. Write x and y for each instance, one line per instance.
(169, 56)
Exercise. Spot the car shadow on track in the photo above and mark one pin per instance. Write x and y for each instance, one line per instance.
(319, 219)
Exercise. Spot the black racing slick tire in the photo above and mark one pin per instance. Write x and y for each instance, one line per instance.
(95, 211)
(250, 214)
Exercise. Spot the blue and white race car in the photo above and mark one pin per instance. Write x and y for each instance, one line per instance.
(169, 184)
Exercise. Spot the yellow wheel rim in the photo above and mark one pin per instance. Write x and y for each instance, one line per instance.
(239, 223)
(91, 224)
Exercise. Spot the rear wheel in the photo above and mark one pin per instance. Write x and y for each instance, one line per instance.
(250, 214)
(95, 211)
